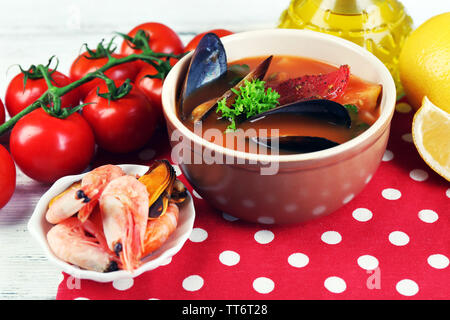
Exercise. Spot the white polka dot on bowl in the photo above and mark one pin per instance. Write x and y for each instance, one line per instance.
(348, 198)
(228, 217)
(266, 220)
(319, 210)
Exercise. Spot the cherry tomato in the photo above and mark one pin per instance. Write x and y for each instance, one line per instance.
(18, 98)
(162, 39)
(2, 112)
(121, 125)
(194, 42)
(7, 177)
(84, 65)
(152, 87)
(47, 148)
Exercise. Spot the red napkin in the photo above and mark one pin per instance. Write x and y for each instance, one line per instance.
(392, 241)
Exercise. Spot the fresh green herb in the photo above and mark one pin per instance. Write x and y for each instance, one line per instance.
(351, 107)
(251, 99)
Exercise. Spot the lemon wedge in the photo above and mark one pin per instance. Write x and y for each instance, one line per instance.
(431, 136)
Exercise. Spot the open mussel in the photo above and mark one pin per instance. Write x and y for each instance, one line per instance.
(179, 192)
(208, 63)
(295, 144)
(159, 180)
(201, 111)
(326, 110)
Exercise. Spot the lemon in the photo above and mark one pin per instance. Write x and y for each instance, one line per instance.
(424, 64)
(431, 136)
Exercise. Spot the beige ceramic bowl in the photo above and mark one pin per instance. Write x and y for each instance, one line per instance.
(306, 185)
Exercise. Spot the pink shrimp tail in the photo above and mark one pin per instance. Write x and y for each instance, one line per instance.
(132, 245)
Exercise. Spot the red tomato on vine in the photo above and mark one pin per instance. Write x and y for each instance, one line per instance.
(47, 148)
(7, 176)
(194, 42)
(161, 39)
(92, 60)
(18, 96)
(121, 116)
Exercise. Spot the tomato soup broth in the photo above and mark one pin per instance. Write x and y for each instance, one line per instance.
(283, 68)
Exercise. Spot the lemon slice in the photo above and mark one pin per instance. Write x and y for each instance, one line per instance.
(431, 136)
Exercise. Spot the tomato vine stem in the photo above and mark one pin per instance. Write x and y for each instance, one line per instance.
(53, 94)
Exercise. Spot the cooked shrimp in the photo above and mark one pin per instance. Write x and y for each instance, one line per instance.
(159, 229)
(124, 206)
(83, 200)
(81, 244)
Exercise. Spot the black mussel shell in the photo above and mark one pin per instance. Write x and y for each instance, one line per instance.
(295, 144)
(201, 111)
(157, 208)
(320, 109)
(208, 63)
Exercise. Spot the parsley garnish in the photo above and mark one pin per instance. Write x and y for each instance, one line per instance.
(251, 99)
(351, 107)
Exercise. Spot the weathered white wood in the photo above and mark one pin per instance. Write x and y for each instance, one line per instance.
(31, 31)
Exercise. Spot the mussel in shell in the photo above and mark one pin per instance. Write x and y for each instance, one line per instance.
(162, 184)
(208, 63)
(201, 111)
(295, 144)
(326, 110)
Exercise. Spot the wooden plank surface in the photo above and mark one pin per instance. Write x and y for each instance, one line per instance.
(32, 31)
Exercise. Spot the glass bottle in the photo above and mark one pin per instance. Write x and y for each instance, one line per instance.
(380, 26)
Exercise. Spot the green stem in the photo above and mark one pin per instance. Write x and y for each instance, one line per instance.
(53, 92)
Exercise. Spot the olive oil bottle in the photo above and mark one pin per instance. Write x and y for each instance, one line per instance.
(380, 26)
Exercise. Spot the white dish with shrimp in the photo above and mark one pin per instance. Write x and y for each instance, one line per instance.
(39, 227)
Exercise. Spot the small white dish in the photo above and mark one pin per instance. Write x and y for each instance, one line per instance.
(39, 226)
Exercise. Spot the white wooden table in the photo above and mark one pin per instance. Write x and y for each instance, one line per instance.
(31, 31)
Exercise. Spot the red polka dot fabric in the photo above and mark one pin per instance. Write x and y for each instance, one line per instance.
(391, 241)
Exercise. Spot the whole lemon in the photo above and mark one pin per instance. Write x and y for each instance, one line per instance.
(425, 63)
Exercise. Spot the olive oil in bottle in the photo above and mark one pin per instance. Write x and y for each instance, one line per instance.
(380, 26)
